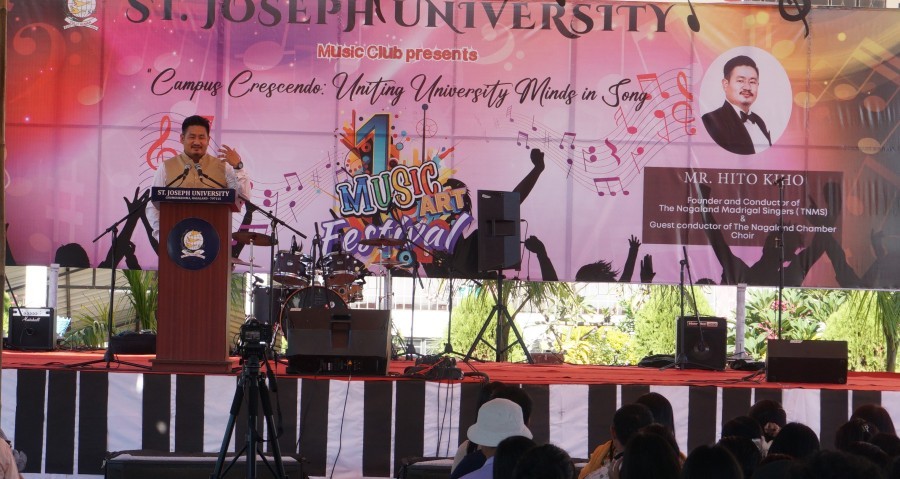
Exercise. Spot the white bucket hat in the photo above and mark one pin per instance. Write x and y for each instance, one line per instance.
(498, 419)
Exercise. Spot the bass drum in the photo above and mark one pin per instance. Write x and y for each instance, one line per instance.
(312, 297)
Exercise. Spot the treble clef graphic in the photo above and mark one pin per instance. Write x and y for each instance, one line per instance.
(803, 9)
(154, 157)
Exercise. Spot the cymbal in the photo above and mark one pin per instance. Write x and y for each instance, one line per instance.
(382, 242)
(252, 237)
(390, 263)
(241, 262)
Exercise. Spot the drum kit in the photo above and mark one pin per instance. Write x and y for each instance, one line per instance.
(332, 281)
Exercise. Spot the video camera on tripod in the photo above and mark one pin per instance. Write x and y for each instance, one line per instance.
(255, 338)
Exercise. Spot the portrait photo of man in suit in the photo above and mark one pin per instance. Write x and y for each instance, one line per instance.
(735, 126)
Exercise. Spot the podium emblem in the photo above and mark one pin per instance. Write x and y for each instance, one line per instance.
(193, 244)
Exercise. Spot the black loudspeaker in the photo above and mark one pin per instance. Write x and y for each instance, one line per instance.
(499, 234)
(704, 341)
(32, 328)
(823, 362)
(130, 342)
(344, 342)
(153, 465)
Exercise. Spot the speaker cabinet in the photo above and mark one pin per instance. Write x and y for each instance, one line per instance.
(133, 343)
(32, 328)
(498, 230)
(342, 342)
(823, 362)
(153, 465)
(703, 342)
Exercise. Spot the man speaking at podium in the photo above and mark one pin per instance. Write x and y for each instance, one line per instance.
(226, 169)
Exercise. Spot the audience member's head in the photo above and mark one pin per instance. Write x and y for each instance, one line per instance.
(877, 416)
(888, 443)
(745, 452)
(834, 465)
(770, 416)
(743, 426)
(518, 396)
(628, 420)
(545, 462)
(796, 440)
(707, 462)
(869, 451)
(894, 470)
(487, 390)
(497, 420)
(774, 466)
(852, 431)
(508, 453)
(665, 433)
(649, 455)
(661, 409)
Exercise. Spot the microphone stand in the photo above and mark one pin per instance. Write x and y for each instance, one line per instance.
(114, 261)
(274, 221)
(410, 247)
(780, 251)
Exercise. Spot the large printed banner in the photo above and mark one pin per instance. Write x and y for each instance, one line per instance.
(638, 135)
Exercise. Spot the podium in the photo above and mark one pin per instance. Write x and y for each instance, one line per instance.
(194, 279)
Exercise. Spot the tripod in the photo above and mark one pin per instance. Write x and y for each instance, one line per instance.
(502, 315)
(253, 385)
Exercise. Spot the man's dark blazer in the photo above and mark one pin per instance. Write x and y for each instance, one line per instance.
(726, 128)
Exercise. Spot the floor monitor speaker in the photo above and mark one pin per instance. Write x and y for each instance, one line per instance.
(790, 361)
(342, 342)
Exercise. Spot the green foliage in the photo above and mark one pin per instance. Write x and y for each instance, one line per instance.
(656, 319)
(468, 318)
(803, 315)
(600, 345)
(142, 295)
(868, 322)
(7, 303)
(88, 328)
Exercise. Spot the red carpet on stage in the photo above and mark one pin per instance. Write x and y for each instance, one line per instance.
(68, 419)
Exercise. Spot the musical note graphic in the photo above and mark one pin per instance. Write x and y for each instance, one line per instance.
(871, 146)
(868, 54)
(646, 78)
(287, 177)
(570, 136)
(682, 82)
(634, 154)
(522, 135)
(606, 182)
(620, 115)
(533, 128)
(613, 149)
(509, 113)
(687, 119)
(316, 181)
(592, 158)
(662, 116)
(269, 194)
(157, 152)
(693, 21)
(802, 12)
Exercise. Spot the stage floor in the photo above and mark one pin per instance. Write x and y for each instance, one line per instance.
(516, 373)
(68, 419)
